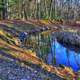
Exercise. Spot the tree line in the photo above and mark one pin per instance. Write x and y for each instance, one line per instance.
(40, 9)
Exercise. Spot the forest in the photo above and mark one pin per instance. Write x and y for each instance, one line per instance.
(39, 39)
(40, 9)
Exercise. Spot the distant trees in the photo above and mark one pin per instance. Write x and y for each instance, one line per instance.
(40, 9)
(3, 9)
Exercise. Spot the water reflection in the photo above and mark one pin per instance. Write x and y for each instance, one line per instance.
(64, 56)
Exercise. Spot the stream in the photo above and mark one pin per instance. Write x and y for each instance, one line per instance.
(64, 56)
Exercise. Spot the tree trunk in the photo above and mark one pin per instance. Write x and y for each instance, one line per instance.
(4, 11)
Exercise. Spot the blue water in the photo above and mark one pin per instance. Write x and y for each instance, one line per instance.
(64, 56)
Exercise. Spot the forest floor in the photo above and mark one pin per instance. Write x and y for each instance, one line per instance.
(21, 64)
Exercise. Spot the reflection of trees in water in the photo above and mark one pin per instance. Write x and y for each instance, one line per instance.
(45, 46)
(40, 44)
(67, 54)
(54, 53)
(76, 57)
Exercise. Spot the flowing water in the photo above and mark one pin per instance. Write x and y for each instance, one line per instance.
(64, 56)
